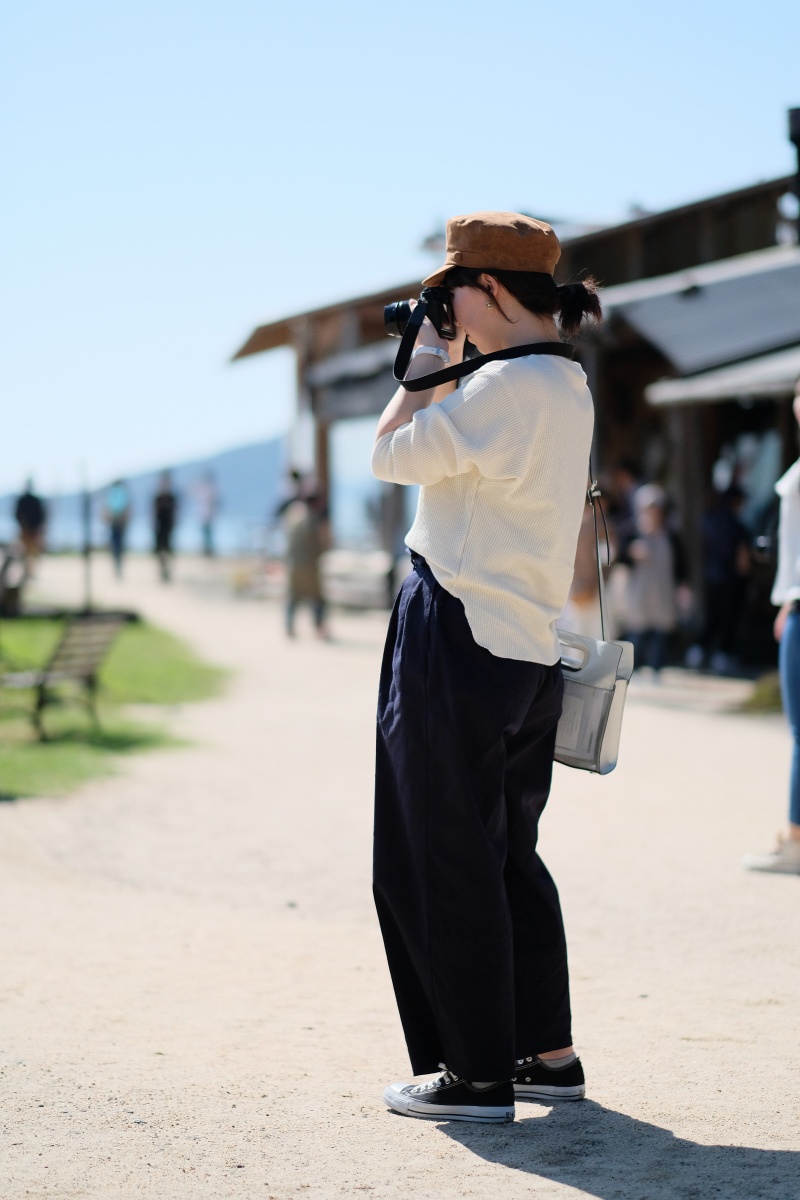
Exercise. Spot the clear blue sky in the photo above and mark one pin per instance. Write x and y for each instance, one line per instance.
(176, 172)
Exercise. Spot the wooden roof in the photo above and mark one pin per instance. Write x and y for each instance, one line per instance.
(289, 330)
(652, 245)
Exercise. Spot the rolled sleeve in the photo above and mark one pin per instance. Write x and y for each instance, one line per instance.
(426, 450)
(476, 427)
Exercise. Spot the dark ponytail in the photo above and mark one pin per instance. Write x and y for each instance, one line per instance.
(539, 293)
(576, 301)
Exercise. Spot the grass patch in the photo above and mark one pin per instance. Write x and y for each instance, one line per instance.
(765, 696)
(148, 666)
(145, 666)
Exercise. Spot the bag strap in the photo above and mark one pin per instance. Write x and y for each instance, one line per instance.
(593, 495)
(459, 370)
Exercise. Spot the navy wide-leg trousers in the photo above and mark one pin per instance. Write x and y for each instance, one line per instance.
(470, 915)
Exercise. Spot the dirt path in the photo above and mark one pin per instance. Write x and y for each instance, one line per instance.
(194, 1001)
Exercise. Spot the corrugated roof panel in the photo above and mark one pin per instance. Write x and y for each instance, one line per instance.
(772, 375)
(705, 322)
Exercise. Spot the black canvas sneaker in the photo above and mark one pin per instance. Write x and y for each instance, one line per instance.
(534, 1081)
(448, 1098)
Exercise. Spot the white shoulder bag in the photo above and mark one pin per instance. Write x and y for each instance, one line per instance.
(596, 676)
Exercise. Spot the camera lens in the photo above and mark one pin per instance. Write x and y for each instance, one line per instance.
(396, 316)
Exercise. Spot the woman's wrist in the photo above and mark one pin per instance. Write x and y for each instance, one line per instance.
(439, 352)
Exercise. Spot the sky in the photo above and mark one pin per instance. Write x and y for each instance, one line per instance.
(176, 173)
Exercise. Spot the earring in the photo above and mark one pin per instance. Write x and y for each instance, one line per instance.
(489, 304)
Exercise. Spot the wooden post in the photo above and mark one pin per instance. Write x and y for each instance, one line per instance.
(322, 458)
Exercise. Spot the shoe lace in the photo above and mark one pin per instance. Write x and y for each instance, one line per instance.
(444, 1080)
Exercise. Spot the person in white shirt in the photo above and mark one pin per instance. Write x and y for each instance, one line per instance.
(471, 686)
(785, 858)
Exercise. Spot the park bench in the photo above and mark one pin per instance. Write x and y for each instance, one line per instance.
(76, 660)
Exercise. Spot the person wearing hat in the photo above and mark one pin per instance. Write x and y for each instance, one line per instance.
(471, 687)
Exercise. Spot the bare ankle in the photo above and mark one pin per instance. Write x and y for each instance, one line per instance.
(556, 1053)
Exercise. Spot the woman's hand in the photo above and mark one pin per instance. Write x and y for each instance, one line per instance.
(428, 336)
(780, 620)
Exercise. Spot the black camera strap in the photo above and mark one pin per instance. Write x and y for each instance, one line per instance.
(459, 370)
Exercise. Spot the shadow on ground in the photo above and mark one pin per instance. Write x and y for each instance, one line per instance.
(70, 754)
(616, 1157)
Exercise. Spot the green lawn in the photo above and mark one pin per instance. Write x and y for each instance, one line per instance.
(146, 666)
(766, 695)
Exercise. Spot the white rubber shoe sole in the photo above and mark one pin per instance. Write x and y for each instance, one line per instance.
(395, 1098)
(540, 1091)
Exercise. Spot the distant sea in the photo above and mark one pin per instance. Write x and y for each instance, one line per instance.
(252, 482)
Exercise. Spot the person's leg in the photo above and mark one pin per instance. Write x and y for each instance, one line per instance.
(440, 833)
(114, 539)
(658, 649)
(713, 599)
(162, 555)
(541, 980)
(291, 609)
(28, 540)
(320, 613)
(789, 658)
(730, 612)
(785, 858)
(399, 787)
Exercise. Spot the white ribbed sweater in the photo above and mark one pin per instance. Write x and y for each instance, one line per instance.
(787, 580)
(503, 462)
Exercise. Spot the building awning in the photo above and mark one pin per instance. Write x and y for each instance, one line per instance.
(770, 376)
(718, 313)
(356, 383)
(354, 364)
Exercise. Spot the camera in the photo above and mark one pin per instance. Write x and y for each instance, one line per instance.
(438, 309)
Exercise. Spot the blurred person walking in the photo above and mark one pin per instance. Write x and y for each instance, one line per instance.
(30, 513)
(165, 516)
(117, 512)
(785, 858)
(307, 538)
(726, 566)
(207, 499)
(625, 483)
(471, 687)
(655, 563)
(621, 487)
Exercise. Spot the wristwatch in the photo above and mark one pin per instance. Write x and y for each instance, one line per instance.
(437, 350)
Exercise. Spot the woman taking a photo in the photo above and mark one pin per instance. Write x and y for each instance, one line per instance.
(471, 686)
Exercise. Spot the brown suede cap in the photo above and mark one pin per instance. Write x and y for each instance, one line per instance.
(504, 240)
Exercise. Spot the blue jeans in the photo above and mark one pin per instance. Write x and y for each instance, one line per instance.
(789, 662)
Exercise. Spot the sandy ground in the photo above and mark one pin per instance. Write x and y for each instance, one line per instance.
(194, 1001)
